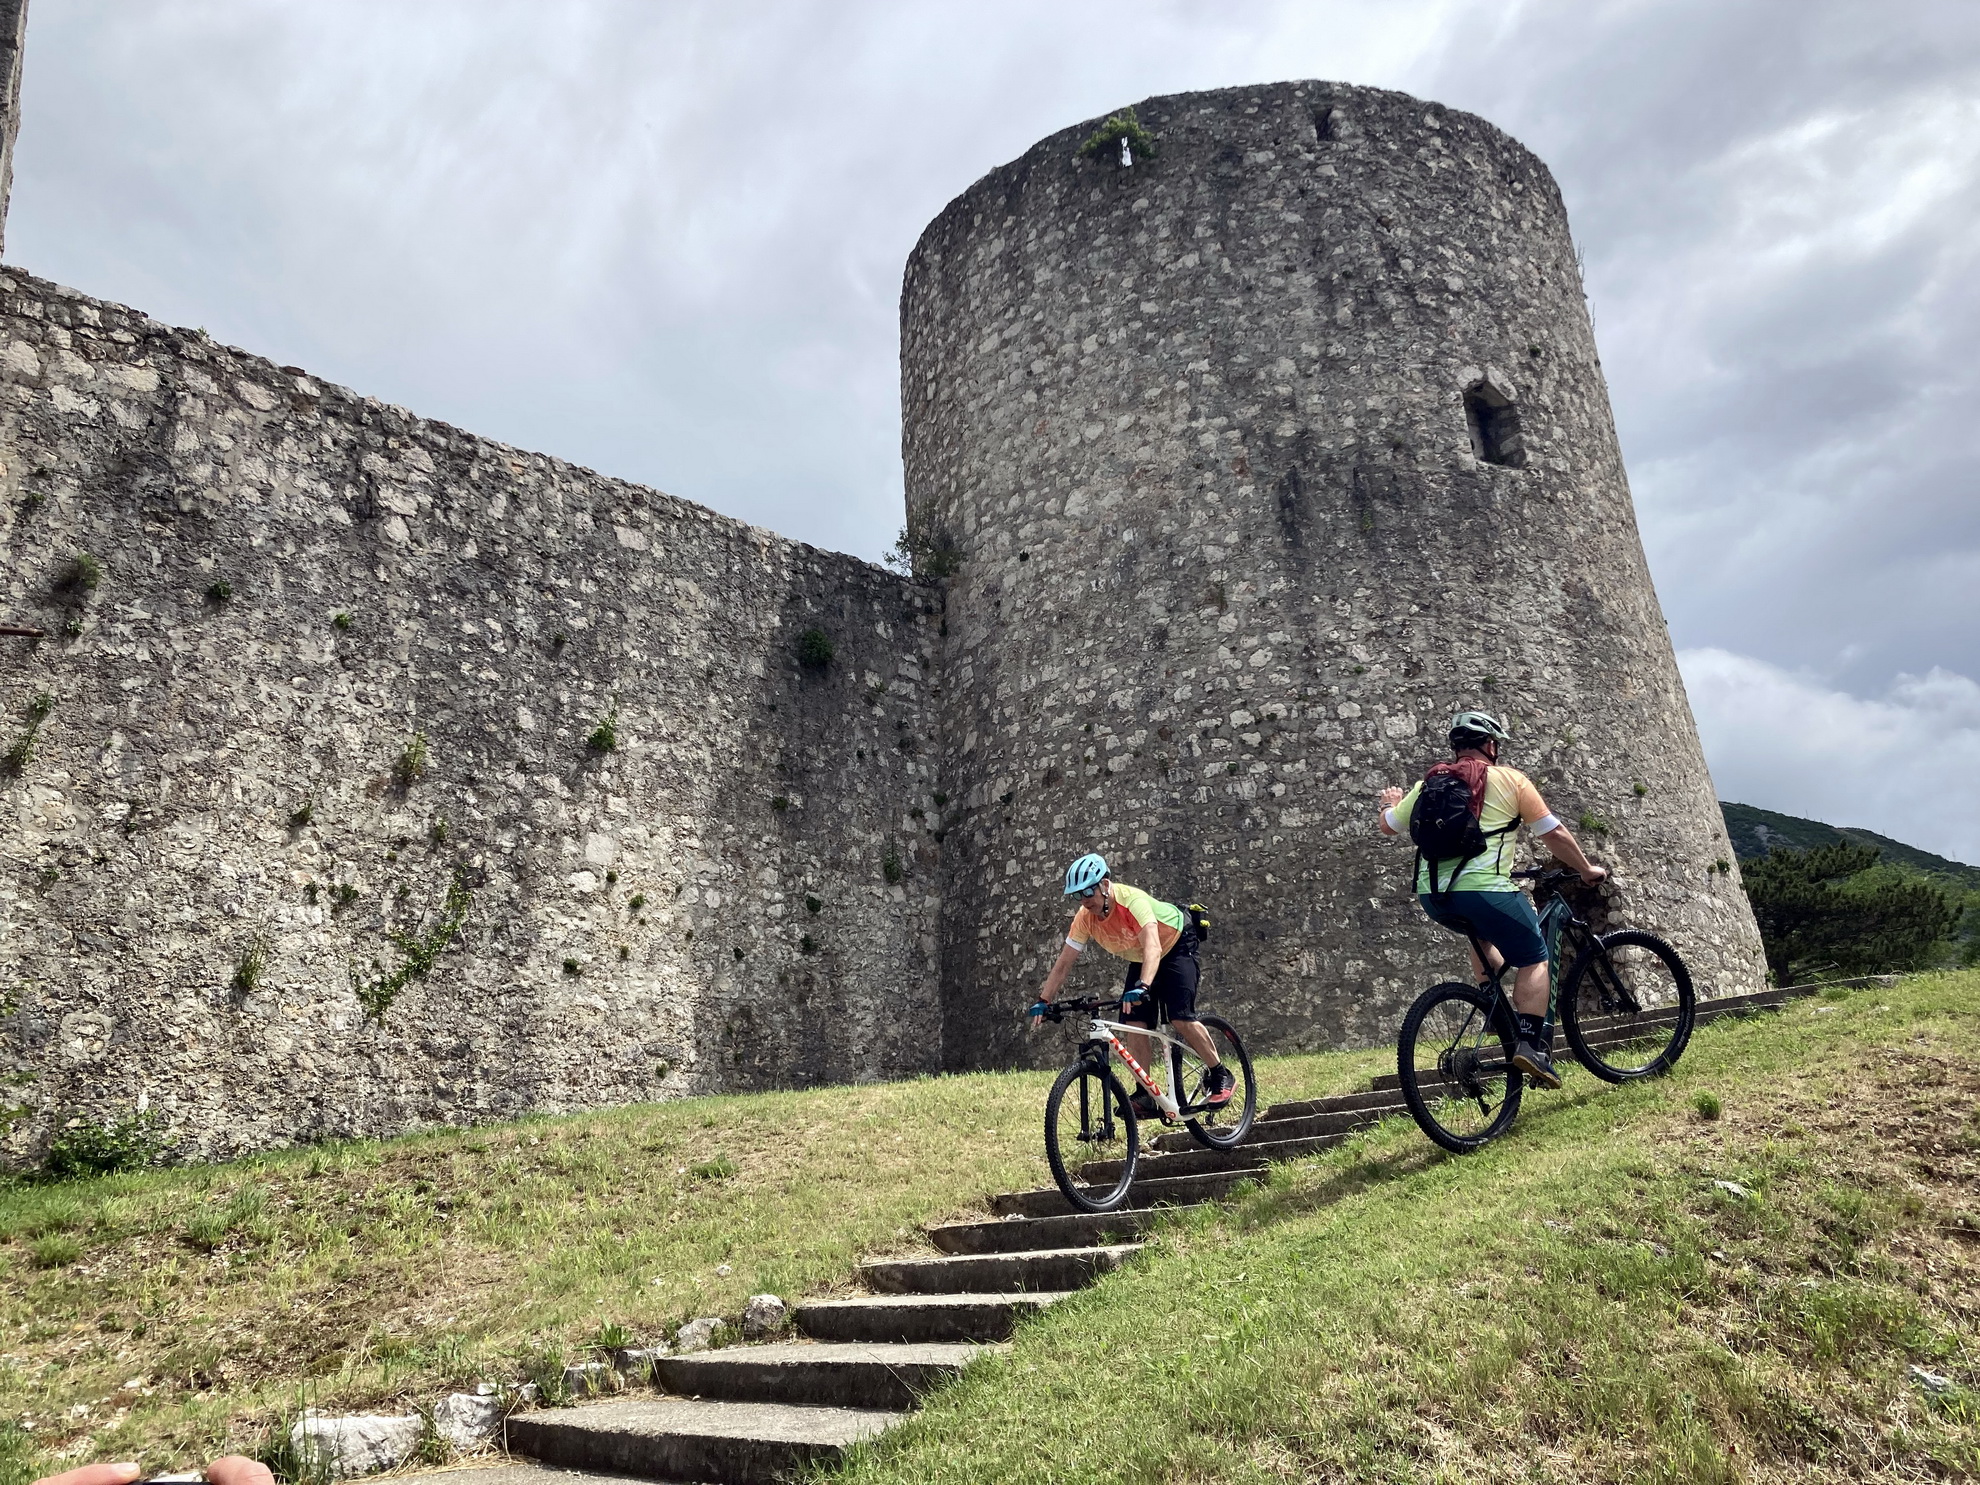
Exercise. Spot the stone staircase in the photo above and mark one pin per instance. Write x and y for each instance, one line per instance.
(759, 1413)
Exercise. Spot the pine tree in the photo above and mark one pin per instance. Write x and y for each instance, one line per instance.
(1811, 915)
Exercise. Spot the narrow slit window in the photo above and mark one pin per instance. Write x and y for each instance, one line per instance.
(1493, 422)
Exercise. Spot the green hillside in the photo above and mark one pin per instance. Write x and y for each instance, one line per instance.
(1756, 831)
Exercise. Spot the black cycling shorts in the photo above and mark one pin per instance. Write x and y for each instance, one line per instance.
(1173, 988)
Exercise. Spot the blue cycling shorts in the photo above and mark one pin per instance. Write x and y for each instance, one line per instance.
(1505, 920)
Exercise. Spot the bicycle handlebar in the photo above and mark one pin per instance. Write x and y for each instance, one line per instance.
(1058, 1010)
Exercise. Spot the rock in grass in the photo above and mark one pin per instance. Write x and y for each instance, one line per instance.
(1733, 1189)
(590, 1379)
(637, 1362)
(468, 1420)
(1930, 1381)
(764, 1315)
(696, 1334)
(360, 1445)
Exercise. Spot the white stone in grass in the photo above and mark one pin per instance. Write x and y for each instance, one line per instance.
(360, 1445)
(468, 1420)
(1930, 1381)
(764, 1315)
(696, 1334)
(1733, 1189)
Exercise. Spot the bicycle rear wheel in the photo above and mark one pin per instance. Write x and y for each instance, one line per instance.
(1224, 1126)
(1454, 1061)
(1627, 1006)
(1092, 1139)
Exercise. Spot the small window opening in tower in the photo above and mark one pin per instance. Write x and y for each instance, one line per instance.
(1493, 422)
(1127, 153)
(1323, 124)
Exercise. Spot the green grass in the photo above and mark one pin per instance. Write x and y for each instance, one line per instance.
(370, 1272)
(1580, 1293)
(1577, 1303)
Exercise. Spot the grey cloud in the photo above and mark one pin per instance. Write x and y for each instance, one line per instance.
(666, 241)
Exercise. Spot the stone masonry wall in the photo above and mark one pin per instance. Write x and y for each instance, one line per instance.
(1230, 558)
(731, 898)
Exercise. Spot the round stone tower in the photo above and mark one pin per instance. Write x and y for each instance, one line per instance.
(1252, 451)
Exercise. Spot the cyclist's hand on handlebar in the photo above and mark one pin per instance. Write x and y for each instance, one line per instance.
(1035, 1017)
(1134, 997)
(1595, 874)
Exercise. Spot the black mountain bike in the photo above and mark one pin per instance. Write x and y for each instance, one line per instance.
(1626, 1004)
(1092, 1134)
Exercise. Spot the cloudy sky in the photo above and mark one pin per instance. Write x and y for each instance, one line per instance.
(664, 239)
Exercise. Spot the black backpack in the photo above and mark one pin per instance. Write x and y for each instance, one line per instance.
(1199, 918)
(1444, 824)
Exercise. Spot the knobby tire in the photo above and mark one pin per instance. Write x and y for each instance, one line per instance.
(1210, 1127)
(1086, 1197)
(1481, 1057)
(1622, 1047)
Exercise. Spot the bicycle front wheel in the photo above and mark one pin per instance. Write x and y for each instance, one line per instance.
(1092, 1139)
(1627, 1006)
(1189, 1078)
(1454, 1061)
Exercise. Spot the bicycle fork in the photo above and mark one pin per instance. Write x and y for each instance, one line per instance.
(1165, 1102)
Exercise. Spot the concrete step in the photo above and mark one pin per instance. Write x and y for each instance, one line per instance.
(1173, 1191)
(1028, 1235)
(1369, 1101)
(1199, 1161)
(677, 1438)
(1050, 1270)
(920, 1319)
(513, 1473)
(815, 1374)
(1278, 1131)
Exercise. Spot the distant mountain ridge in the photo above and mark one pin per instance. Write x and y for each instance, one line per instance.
(1756, 831)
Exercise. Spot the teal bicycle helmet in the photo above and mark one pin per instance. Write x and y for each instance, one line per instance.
(1085, 872)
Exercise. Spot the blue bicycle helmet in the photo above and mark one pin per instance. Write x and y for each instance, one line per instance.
(1085, 872)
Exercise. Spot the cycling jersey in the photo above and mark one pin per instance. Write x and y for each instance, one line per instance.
(1120, 931)
(1509, 796)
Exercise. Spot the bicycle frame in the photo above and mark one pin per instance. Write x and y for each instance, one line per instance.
(1100, 1032)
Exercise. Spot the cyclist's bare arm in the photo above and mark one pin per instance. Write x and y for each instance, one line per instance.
(1567, 851)
(1388, 799)
(1151, 951)
(1061, 967)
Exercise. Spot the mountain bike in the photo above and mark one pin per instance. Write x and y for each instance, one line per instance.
(1088, 1116)
(1626, 1004)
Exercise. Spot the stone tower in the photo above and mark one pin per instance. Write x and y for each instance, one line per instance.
(13, 35)
(1257, 454)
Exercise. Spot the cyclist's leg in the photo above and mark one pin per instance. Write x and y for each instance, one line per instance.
(1140, 1048)
(1174, 986)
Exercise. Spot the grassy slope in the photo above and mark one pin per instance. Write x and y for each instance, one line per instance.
(1578, 1303)
(1802, 835)
(371, 1272)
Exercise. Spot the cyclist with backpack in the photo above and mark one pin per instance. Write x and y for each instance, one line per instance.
(1462, 818)
(1159, 940)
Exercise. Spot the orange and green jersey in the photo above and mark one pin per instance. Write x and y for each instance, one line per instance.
(1119, 932)
(1509, 796)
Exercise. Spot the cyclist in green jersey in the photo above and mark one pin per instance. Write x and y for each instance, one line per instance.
(1480, 898)
(1159, 940)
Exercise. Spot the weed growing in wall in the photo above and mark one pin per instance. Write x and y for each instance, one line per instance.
(815, 649)
(83, 576)
(220, 591)
(249, 968)
(411, 765)
(1594, 824)
(927, 558)
(419, 952)
(21, 752)
(303, 814)
(890, 866)
(341, 623)
(638, 901)
(605, 736)
(1119, 129)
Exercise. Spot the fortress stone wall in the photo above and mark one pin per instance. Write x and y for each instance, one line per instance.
(1262, 454)
(502, 604)
(1259, 455)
